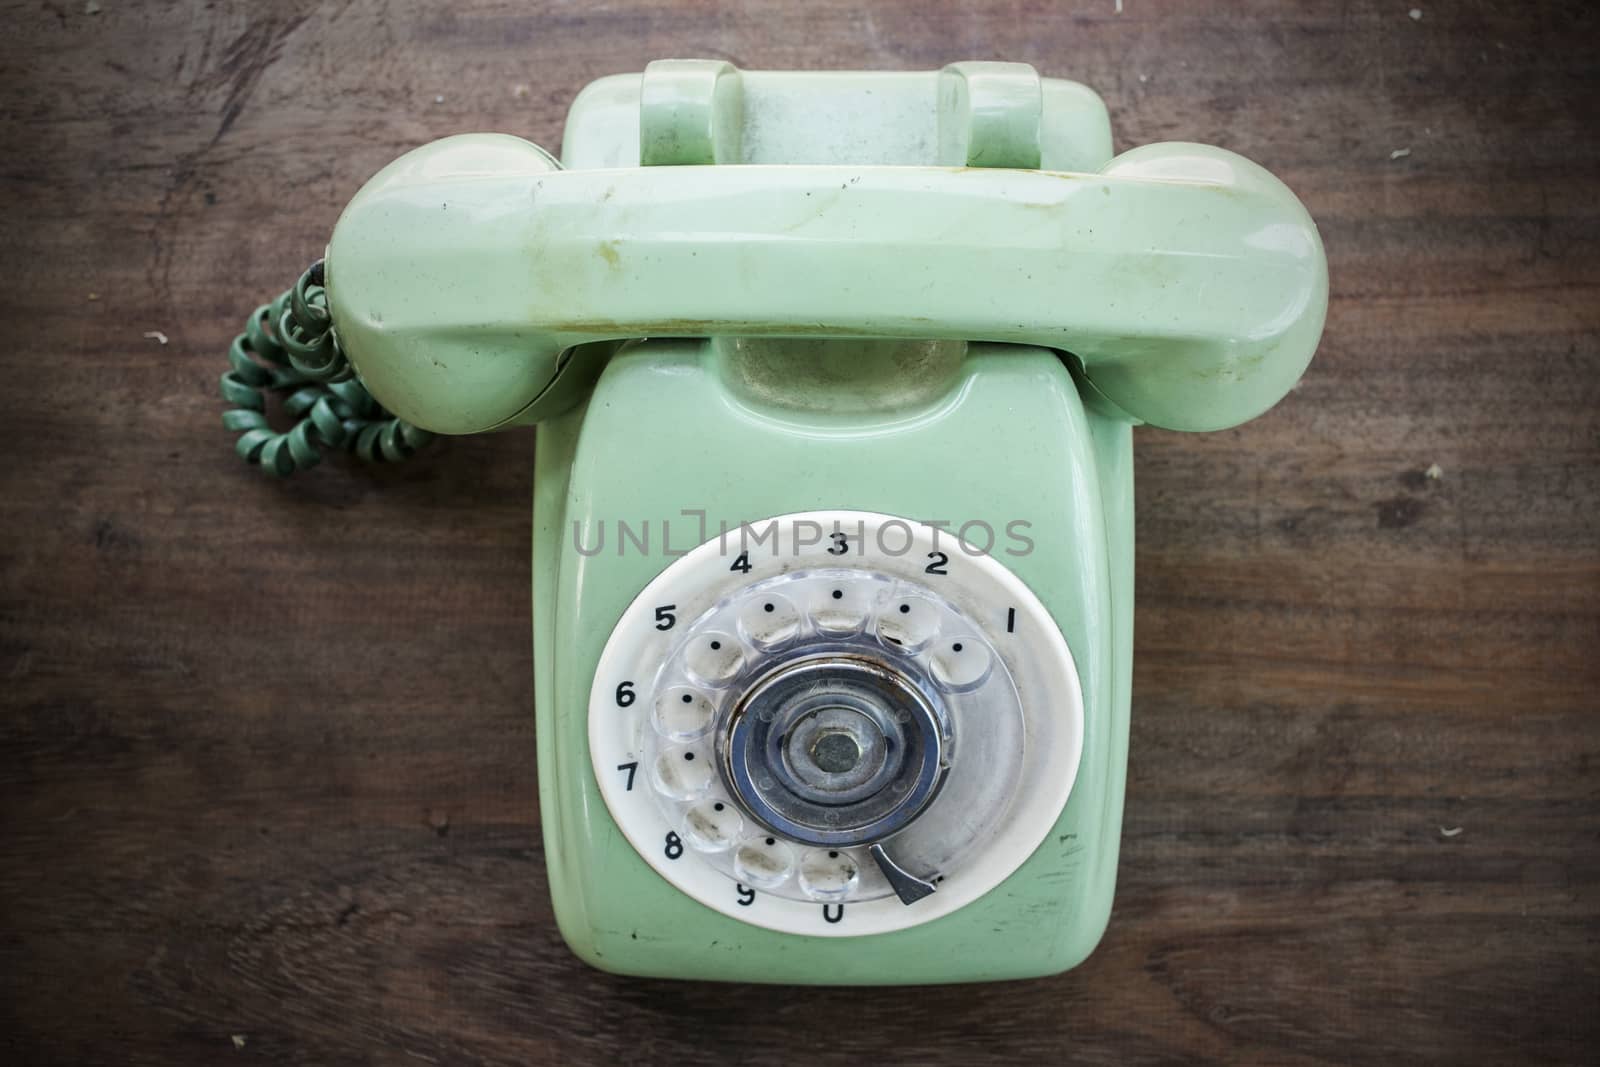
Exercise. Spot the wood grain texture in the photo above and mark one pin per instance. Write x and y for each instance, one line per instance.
(266, 750)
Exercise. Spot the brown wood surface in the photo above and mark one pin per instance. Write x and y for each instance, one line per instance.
(267, 750)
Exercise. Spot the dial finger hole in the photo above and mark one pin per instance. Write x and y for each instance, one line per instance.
(712, 825)
(828, 874)
(763, 861)
(960, 663)
(908, 623)
(769, 621)
(682, 773)
(713, 658)
(682, 714)
(840, 609)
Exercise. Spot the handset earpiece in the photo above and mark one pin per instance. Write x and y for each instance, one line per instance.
(1188, 282)
(1266, 312)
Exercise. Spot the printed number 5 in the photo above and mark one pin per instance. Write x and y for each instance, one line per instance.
(665, 619)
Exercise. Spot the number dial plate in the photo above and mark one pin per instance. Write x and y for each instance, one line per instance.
(653, 628)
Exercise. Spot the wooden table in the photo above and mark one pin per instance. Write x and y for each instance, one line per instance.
(268, 774)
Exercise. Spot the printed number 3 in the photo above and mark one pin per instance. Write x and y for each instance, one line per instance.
(840, 544)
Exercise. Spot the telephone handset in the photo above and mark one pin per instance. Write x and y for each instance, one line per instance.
(1187, 281)
(835, 375)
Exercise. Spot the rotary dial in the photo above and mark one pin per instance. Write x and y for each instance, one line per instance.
(828, 734)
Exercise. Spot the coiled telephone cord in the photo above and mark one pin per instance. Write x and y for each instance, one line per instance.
(296, 352)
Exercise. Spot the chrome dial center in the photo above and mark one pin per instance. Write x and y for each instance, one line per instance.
(835, 749)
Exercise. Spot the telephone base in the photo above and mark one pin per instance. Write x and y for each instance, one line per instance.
(674, 428)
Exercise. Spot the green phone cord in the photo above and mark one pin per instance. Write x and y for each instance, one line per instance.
(301, 356)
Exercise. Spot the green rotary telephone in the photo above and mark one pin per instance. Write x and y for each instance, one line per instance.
(835, 377)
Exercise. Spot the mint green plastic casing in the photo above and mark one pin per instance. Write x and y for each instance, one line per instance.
(1188, 284)
(998, 436)
(759, 428)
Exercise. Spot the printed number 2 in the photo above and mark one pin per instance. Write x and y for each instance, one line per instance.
(940, 561)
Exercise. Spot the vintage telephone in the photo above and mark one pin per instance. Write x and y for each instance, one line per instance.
(833, 538)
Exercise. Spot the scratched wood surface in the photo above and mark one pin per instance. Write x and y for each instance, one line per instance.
(267, 776)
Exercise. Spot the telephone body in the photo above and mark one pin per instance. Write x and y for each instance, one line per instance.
(894, 329)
